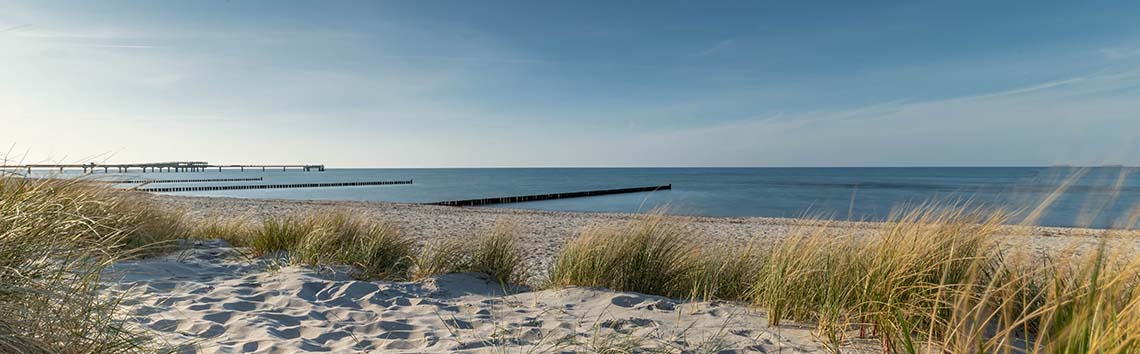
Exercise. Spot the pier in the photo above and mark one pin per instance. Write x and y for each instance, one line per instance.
(269, 186)
(537, 197)
(172, 166)
(131, 181)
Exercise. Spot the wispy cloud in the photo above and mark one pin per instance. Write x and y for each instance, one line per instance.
(1117, 53)
(15, 28)
(96, 39)
(1050, 122)
(125, 46)
(719, 46)
(466, 59)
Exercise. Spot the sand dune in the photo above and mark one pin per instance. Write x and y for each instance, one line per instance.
(212, 299)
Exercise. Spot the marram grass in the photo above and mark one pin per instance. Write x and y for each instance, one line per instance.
(935, 278)
(375, 250)
(236, 230)
(56, 238)
(653, 255)
(495, 252)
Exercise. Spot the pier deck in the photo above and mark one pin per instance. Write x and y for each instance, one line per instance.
(201, 180)
(172, 166)
(269, 186)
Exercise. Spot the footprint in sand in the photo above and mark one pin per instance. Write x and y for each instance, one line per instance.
(205, 330)
(286, 332)
(219, 317)
(164, 325)
(282, 319)
(240, 306)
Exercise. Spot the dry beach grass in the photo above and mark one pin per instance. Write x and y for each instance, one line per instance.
(88, 269)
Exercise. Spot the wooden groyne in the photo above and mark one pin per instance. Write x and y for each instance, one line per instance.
(536, 197)
(172, 166)
(130, 181)
(270, 186)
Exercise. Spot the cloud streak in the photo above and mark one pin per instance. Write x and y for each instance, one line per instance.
(716, 48)
(1051, 122)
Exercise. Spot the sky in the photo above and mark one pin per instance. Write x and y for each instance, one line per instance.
(572, 83)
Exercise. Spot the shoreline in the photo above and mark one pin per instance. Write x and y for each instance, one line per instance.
(545, 232)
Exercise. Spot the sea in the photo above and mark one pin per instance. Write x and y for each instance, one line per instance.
(1082, 197)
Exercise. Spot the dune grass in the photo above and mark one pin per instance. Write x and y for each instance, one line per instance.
(276, 234)
(495, 252)
(891, 283)
(934, 278)
(56, 238)
(236, 230)
(374, 249)
(440, 257)
(653, 255)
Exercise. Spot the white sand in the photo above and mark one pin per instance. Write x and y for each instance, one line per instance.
(211, 299)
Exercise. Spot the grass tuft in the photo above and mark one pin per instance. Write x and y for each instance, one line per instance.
(236, 230)
(277, 234)
(56, 238)
(375, 250)
(652, 255)
(495, 252)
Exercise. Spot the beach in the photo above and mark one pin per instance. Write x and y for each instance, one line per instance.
(210, 297)
(545, 232)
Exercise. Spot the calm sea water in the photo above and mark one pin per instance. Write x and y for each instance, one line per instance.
(1099, 197)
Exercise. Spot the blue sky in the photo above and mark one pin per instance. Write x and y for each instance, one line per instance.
(491, 83)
